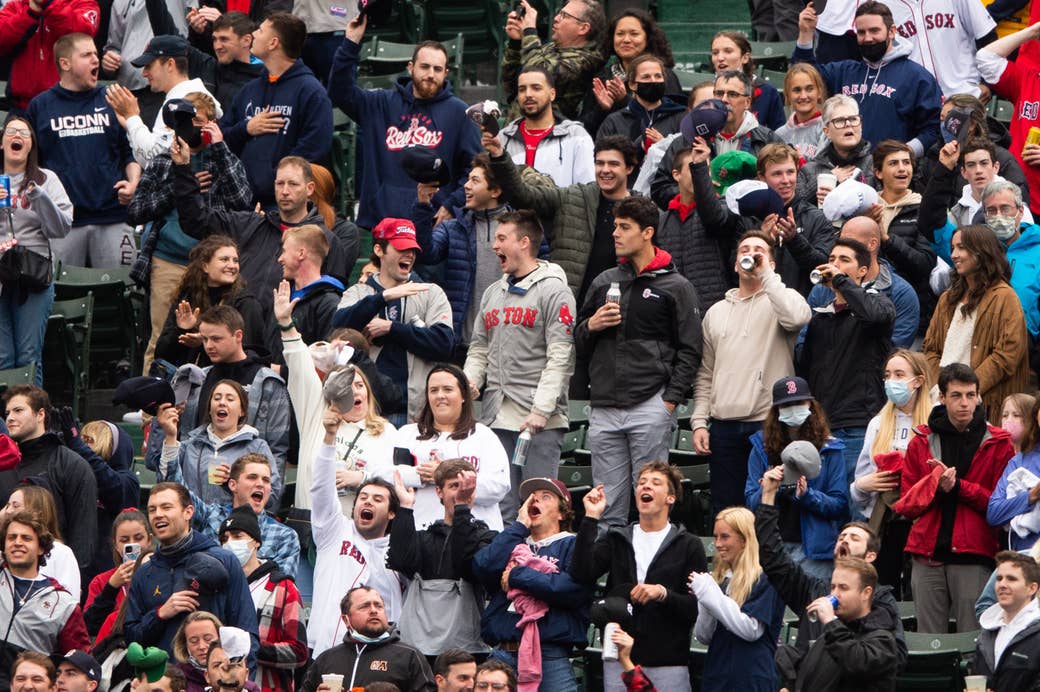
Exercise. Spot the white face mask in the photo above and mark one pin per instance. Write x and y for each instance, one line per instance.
(240, 549)
(794, 415)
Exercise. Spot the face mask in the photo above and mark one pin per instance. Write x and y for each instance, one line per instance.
(651, 92)
(1002, 226)
(794, 415)
(195, 663)
(898, 391)
(1015, 428)
(873, 52)
(240, 549)
(369, 640)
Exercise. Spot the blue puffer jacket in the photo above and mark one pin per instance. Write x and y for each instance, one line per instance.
(567, 621)
(455, 242)
(824, 506)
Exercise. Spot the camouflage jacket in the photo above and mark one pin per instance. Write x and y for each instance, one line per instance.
(572, 70)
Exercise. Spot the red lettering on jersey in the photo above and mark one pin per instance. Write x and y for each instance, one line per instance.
(490, 319)
(345, 548)
(529, 317)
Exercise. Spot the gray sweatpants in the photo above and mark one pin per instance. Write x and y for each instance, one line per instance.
(108, 246)
(621, 441)
(543, 461)
(944, 590)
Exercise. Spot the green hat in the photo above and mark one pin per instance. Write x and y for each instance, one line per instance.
(150, 661)
(732, 167)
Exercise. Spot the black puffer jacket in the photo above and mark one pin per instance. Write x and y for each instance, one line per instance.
(313, 314)
(862, 655)
(700, 252)
(661, 628)
(362, 664)
(907, 249)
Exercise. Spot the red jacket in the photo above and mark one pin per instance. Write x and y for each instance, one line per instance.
(33, 70)
(920, 483)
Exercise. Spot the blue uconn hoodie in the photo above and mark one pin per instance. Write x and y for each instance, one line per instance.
(898, 98)
(392, 119)
(302, 101)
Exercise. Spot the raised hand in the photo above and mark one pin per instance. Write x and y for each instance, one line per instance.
(405, 495)
(595, 502)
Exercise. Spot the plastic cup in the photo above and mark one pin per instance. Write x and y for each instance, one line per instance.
(826, 181)
(975, 683)
(334, 681)
(211, 470)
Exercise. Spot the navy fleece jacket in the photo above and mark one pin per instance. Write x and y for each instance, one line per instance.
(391, 119)
(302, 101)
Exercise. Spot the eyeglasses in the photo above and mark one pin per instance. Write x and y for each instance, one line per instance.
(1003, 210)
(567, 15)
(17, 132)
(844, 120)
(720, 94)
(491, 686)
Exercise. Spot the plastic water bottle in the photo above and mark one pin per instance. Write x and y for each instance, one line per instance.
(614, 293)
(523, 443)
(610, 650)
(813, 617)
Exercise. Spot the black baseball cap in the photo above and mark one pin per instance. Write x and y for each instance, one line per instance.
(162, 47)
(790, 389)
(85, 662)
(145, 393)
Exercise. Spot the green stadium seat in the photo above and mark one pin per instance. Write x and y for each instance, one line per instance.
(14, 376)
(772, 55)
(66, 351)
(115, 329)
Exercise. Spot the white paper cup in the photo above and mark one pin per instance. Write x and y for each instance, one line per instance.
(335, 681)
(975, 683)
(826, 181)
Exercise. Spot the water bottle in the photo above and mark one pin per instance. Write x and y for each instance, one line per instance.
(816, 276)
(614, 293)
(610, 650)
(813, 617)
(523, 443)
(417, 321)
(747, 263)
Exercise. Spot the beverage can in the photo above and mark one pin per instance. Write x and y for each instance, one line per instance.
(747, 263)
(523, 443)
(816, 276)
(813, 617)
(614, 293)
(1033, 136)
(610, 650)
(5, 182)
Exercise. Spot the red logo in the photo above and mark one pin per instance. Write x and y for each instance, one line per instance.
(792, 388)
(565, 315)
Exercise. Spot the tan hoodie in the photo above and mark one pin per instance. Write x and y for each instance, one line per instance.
(748, 345)
(891, 211)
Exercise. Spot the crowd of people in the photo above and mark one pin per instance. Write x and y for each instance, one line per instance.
(838, 279)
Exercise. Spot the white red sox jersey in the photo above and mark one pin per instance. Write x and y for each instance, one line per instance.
(943, 35)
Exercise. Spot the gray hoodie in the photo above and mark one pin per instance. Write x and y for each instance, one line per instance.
(43, 214)
(523, 344)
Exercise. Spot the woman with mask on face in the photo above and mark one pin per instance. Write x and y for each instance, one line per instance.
(283, 637)
(36, 211)
(1015, 501)
(739, 612)
(875, 489)
(1014, 416)
(811, 510)
(191, 649)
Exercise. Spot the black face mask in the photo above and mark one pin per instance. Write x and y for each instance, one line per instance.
(873, 52)
(651, 92)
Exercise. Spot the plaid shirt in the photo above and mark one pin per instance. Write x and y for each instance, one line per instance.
(280, 543)
(153, 199)
(283, 636)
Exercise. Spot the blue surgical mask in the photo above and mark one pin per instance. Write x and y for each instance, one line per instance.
(240, 549)
(898, 391)
(794, 415)
(369, 640)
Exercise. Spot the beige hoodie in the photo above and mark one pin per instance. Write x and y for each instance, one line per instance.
(748, 345)
(891, 211)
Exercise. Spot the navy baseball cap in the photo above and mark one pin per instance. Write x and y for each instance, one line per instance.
(162, 47)
(790, 389)
(85, 662)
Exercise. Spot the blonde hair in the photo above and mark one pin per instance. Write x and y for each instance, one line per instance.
(1022, 401)
(312, 238)
(180, 639)
(204, 104)
(41, 503)
(375, 424)
(923, 406)
(746, 568)
(813, 74)
(101, 435)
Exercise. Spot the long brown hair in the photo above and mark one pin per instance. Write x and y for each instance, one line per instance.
(466, 423)
(993, 267)
(776, 435)
(1031, 437)
(32, 159)
(743, 44)
(193, 287)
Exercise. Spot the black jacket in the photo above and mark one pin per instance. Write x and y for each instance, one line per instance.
(72, 482)
(361, 664)
(259, 236)
(1019, 668)
(661, 629)
(259, 332)
(798, 589)
(797, 257)
(907, 249)
(928, 167)
(663, 187)
(313, 314)
(438, 552)
(844, 354)
(860, 656)
(658, 343)
(826, 160)
(232, 77)
(701, 253)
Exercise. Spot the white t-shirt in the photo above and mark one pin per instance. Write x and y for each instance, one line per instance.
(63, 567)
(646, 544)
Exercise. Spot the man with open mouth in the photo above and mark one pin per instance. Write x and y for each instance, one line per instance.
(646, 563)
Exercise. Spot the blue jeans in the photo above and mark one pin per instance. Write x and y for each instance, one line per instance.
(820, 569)
(22, 327)
(730, 443)
(853, 439)
(557, 675)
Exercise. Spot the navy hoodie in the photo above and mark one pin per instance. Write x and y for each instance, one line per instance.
(302, 101)
(898, 98)
(391, 119)
(74, 127)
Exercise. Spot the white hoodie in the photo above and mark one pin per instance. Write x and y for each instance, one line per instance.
(993, 619)
(147, 144)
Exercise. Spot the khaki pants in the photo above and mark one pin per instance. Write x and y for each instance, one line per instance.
(166, 277)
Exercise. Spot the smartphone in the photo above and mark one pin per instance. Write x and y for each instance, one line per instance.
(131, 551)
(207, 138)
(403, 457)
